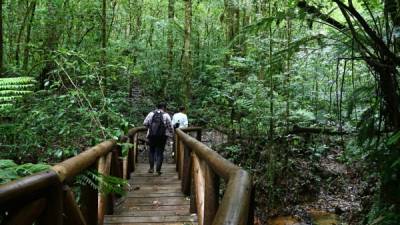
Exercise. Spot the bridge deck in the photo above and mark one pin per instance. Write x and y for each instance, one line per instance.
(153, 200)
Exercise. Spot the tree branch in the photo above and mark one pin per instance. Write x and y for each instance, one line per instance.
(316, 12)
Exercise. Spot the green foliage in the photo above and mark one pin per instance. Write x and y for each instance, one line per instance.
(9, 170)
(125, 148)
(101, 183)
(12, 89)
(382, 215)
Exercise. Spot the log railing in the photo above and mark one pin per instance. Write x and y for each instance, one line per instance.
(46, 198)
(200, 169)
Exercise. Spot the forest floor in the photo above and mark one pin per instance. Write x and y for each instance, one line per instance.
(331, 195)
(321, 190)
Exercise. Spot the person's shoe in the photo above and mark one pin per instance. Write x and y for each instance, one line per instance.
(151, 171)
(159, 173)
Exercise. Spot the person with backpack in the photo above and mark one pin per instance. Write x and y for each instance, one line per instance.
(159, 126)
(180, 120)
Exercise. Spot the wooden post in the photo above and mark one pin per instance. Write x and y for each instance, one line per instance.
(177, 155)
(28, 214)
(181, 151)
(89, 204)
(116, 164)
(53, 215)
(135, 149)
(131, 155)
(198, 178)
(250, 219)
(175, 151)
(198, 135)
(186, 173)
(72, 213)
(126, 159)
(125, 164)
(104, 169)
(211, 195)
(193, 200)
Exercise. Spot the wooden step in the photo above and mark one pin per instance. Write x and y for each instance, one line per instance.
(152, 194)
(156, 223)
(156, 201)
(153, 199)
(148, 219)
(180, 212)
(147, 189)
(146, 174)
(155, 208)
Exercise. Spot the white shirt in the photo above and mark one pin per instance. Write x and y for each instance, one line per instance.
(180, 118)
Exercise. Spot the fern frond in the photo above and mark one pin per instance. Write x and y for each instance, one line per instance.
(11, 89)
(17, 80)
(16, 86)
(101, 183)
(7, 163)
(13, 92)
(9, 98)
(9, 170)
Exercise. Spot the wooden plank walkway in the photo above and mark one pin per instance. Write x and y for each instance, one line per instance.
(153, 200)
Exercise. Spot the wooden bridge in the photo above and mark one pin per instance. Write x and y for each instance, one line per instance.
(188, 192)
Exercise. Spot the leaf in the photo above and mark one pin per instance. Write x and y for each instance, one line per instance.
(394, 138)
(6, 163)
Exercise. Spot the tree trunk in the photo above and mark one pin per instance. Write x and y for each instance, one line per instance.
(288, 71)
(103, 42)
(114, 6)
(271, 79)
(136, 29)
(21, 29)
(50, 45)
(187, 54)
(1, 39)
(28, 37)
(170, 42)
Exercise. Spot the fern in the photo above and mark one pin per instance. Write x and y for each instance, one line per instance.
(125, 148)
(102, 183)
(9, 170)
(12, 89)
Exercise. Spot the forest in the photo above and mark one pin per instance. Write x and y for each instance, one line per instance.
(305, 91)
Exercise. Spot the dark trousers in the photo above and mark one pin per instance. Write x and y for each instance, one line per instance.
(156, 153)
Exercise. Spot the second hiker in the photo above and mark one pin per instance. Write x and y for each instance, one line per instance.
(159, 127)
(180, 120)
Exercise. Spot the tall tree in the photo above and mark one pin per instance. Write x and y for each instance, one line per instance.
(103, 39)
(288, 68)
(1, 38)
(170, 41)
(50, 44)
(21, 30)
(28, 36)
(187, 53)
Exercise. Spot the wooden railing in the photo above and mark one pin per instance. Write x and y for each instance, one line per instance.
(46, 198)
(200, 169)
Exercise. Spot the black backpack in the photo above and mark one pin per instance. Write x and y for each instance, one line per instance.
(157, 126)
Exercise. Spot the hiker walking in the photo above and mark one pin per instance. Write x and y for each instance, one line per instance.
(159, 127)
(180, 120)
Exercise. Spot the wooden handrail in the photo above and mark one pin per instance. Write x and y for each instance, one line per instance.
(27, 186)
(235, 207)
(50, 187)
(75, 165)
(50, 201)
